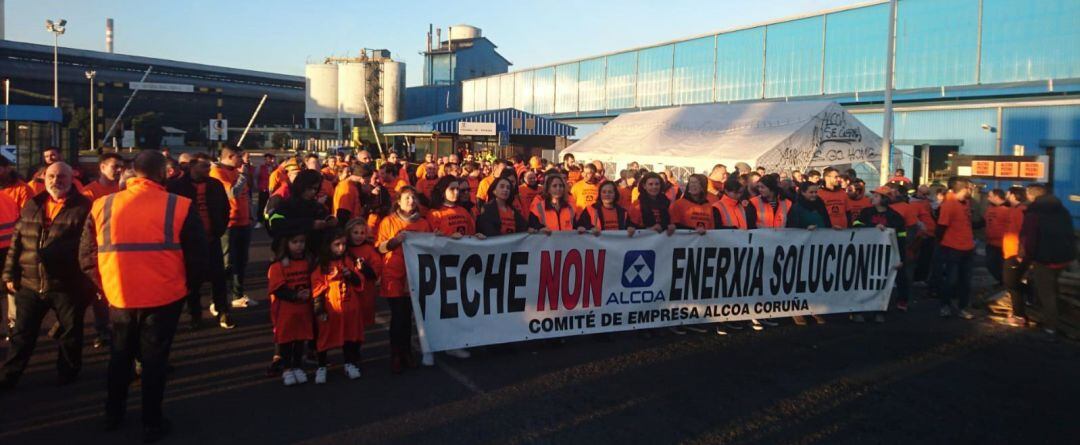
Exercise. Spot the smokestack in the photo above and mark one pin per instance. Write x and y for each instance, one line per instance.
(438, 37)
(108, 36)
(429, 26)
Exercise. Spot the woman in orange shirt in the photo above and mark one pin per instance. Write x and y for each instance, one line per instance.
(446, 217)
(695, 210)
(606, 213)
(394, 287)
(653, 207)
(500, 215)
(554, 212)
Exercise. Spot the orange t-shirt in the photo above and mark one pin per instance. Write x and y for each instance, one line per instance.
(997, 219)
(450, 220)
(347, 197)
(836, 202)
(526, 196)
(19, 191)
(52, 209)
(482, 187)
(393, 279)
(507, 221)
(585, 194)
(1010, 240)
(291, 321)
(610, 217)
(96, 189)
(957, 216)
(239, 203)
(855, 206)
(688, 214)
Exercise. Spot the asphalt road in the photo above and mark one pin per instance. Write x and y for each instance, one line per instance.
(916, 378)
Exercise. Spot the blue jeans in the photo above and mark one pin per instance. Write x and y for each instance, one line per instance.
(956, 267)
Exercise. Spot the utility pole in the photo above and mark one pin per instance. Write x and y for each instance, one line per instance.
(90, 75)
(887, 125)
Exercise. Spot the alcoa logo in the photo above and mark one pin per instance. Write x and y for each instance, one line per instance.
(638, 266)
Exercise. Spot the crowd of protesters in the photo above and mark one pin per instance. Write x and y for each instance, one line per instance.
(338, 224)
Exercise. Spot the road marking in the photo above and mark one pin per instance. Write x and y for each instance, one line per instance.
(459, 376)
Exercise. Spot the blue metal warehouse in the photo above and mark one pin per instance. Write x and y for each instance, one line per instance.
(972, 77)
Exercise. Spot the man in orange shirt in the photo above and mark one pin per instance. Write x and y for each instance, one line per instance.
(997, 219)
(11, 185)
(857, 200)
(42, 270)
(835, 198)
(232, 173)
(1013, 269)
(50, 156)
(585, 191)
(957, 249)
(110, 165)
(496, 171)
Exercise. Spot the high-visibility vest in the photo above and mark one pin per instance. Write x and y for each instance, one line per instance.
(9, 214)
(555, 220)
(732, 213)
(767, 217)
(138, 240)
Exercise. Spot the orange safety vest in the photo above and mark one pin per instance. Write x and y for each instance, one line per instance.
(767, 217)
(554, 220)
(732, 213)
(138, 242)
(9, 215)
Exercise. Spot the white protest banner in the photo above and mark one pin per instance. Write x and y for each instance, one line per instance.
(519, 287)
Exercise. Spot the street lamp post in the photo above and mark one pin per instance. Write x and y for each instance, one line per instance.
(57, 28)
(90, 74)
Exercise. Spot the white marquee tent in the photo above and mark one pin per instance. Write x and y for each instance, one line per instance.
(776, 135)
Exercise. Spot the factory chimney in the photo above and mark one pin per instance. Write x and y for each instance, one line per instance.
(108, 36)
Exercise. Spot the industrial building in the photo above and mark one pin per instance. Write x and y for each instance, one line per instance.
(184, 95)
(465, 54)
(343, 93)
(972, 77)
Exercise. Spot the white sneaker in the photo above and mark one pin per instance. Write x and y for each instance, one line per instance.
(720, 330)
(756, 325)
(352, 371)
(301, 376)
(696, 328)
(320, 376)
(459, 353)
(288, 377)
(213, 310)
(258, 225)
(965, 314)
(428, 359)
(244, 301)
(769, 323)
(677, 330)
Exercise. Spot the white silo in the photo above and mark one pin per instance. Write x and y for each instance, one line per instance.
(321, 91)
(352, 88)
(393, 86)
(463, 32)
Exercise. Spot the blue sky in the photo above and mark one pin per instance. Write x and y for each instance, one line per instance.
(279, 35)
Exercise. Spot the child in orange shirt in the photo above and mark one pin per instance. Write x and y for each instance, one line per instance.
(361, 247)
(336, 283)
(289, 287)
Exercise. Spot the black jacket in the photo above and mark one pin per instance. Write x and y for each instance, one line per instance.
(1047, 234)
(217, 202)
(807, 213)
(489, 223)
(48, 261)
